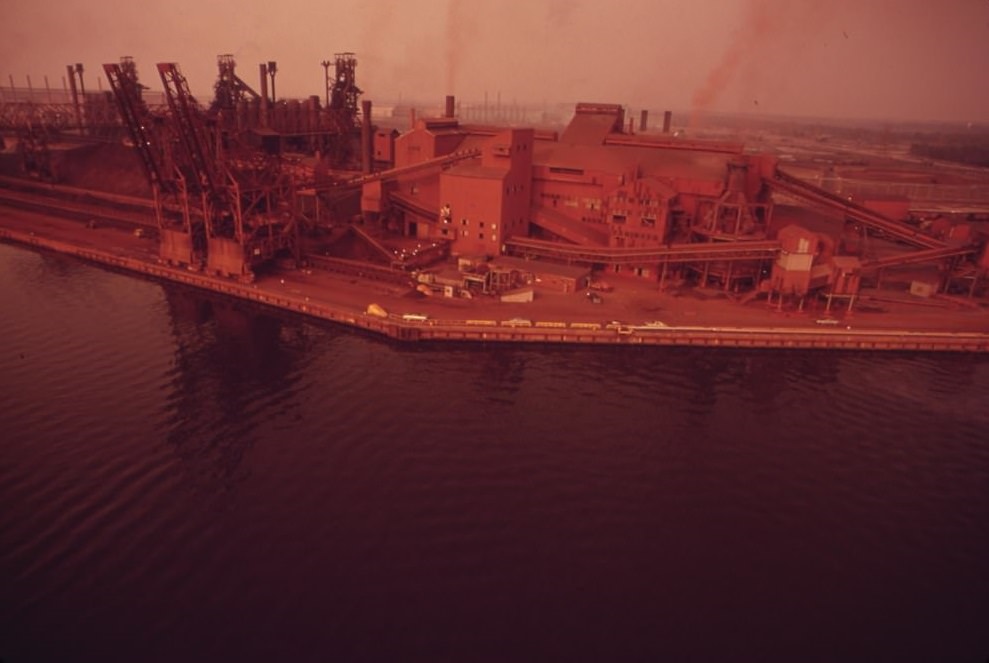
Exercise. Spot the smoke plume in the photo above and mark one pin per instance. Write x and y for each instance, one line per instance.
(760, 25)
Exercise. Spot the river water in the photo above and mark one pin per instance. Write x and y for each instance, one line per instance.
(186, 478)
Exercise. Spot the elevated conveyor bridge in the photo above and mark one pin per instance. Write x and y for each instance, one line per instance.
(918, 257)
(792, 186)
(676, 253)
(567, 228)
(412, 205)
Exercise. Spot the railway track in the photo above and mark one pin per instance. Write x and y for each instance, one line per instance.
(78, 203)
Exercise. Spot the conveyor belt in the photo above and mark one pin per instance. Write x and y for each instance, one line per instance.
(793, 186)
(567, 228)
(413, 205)
(382, 250)
(917, 257)
(677, 253)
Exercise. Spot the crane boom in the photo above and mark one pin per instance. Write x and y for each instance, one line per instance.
(134, 114)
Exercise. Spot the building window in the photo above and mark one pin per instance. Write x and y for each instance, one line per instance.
(648, 222)
(480, 235)
(463, 222)
(463, 233)
(560, 170)
(481, 224)
(618, 218)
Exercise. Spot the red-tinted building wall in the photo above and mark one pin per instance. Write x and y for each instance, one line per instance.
(589, 185)
(512, 151)
(476, 209)
(430, 139)
(488, 202)
(578, 194)
(638, 213)
(384, 147)
(414, 147)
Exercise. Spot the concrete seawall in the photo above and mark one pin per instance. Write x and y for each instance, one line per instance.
(527, 331)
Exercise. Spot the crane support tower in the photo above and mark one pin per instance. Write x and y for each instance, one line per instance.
(182, 235)
(246, 203)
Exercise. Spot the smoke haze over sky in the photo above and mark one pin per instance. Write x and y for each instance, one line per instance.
(879, 59)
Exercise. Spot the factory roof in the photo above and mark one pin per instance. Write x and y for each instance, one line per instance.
(592, 123)
(650, 161)
(476, 170)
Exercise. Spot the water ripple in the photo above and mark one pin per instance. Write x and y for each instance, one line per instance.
(213, 479)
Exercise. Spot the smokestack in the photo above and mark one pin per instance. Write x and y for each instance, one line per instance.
(450, 102)
(272, 70)
(263, 69)
(667, 119)
(643, 120)
(313, 108)
(367, 147)
(82, 93)
(82, 86)
(75, 94)
(412, 118)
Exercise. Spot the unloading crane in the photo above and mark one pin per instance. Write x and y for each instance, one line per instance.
(206, 177)
(246, 202)
(136, 117)
(182, 234)
(236, 211)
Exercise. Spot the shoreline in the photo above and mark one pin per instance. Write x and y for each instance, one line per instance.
(481, 325)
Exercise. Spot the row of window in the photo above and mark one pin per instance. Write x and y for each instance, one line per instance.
(480, 224)
(645, 202)
(645, 221)
(465, 234)
(636, 235)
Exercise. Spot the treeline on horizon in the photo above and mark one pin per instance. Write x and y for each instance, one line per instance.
(966, 149)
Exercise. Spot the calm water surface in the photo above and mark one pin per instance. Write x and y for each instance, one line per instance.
(183, 478)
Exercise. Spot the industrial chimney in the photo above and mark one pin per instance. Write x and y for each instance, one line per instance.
(643, 120)
(263, 73)
(450, 104)
(75, 94)
(667, 120)
(367, 146)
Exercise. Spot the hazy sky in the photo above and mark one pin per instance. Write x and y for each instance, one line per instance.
(884, 59)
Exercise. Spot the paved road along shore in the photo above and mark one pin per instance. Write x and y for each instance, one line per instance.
(552, 319)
